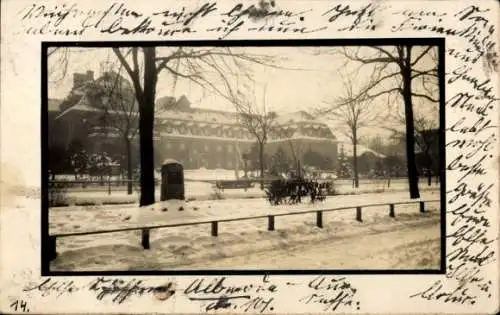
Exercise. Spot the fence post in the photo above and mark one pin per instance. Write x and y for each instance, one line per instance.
(52, 248)
(109, 185)
(391, 210)
(319, 219)
(358, 214)
(422, 207)
(145, 238)
(215, 230)
(270, 223)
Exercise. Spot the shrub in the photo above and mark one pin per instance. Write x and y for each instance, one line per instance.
(216, 194)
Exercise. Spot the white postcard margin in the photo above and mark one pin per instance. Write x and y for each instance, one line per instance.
(470, 28)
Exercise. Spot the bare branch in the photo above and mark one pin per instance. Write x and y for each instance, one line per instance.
(52, 51)
(396, 89)
(422, 54)
(435, 100)
(132, 73)
(385, 52)
(429, 72)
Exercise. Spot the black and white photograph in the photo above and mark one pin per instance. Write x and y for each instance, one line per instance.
(267, 156)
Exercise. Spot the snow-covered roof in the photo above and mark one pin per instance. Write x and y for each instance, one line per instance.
(300, 116)
(200, 115)
(360, 150)
(171, 161)
(180, 118)
(298, 137)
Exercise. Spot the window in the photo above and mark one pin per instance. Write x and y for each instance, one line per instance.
(206, 147)
(229, 163)
(182, 146)
(169, 145)
(229, 148)
(219, 148)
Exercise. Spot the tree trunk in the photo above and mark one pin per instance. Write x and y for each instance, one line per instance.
(236, 162)
(429, 170)
(299, 169)
(261, 160)
(146, 124)
(429, 177)
(355, 158)
(410, 134)
(128, 148)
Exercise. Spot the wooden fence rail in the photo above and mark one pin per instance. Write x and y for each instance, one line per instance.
(215, 223)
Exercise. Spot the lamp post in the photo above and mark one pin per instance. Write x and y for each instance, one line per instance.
(246, 157)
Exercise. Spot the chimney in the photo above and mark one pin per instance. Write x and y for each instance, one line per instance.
(90, 75)
(78, 79)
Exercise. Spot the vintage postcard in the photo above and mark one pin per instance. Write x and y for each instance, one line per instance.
(249, 157)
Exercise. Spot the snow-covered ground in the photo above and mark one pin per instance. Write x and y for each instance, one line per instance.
(211, 175)
(200, 190)
(193, 247)
(410, 242)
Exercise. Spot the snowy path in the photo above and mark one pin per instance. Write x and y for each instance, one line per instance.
(411, 246)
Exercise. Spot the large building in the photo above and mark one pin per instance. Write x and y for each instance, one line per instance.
(197, 137)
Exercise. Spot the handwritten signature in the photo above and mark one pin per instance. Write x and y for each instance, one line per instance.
(331, 293)
(217, 293)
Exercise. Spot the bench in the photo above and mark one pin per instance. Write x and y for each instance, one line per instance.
(233, 184)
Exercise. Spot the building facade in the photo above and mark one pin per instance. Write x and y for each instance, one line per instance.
(197, 137)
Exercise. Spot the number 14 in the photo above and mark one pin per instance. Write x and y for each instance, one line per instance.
(19, 305)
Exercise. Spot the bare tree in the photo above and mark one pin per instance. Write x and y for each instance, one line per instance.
(394, 71)
(257, 120)
(119, 111)
(426, 124)
(213, 68)
(352, 113)
(298, 150)
(427, 140)
(210, 68)
(145, 91)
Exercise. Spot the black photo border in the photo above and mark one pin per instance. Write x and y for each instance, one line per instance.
(44, 253)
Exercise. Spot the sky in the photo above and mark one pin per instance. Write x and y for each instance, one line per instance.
(303, 79)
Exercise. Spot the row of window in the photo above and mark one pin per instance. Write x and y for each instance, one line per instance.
(182, 146)
(228, 164)
(241, 134)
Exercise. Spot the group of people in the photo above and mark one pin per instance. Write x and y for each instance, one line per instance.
(292, 191)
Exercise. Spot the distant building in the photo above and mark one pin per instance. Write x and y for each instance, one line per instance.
(197, 137)
(360, 150)
(368, 159)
